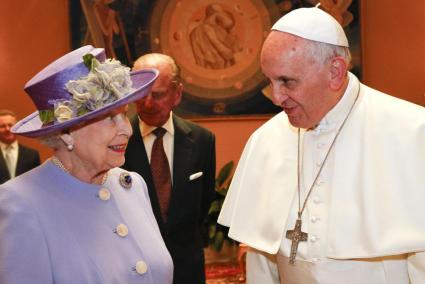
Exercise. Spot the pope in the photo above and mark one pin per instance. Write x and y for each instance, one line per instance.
(330, 190)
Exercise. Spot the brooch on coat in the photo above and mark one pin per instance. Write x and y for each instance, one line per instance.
(125, 180)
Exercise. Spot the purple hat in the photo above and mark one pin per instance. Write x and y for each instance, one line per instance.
(72, 90)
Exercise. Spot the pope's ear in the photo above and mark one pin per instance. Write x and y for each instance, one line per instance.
(338, 72)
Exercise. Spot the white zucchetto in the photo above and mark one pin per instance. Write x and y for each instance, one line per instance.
(313, 24)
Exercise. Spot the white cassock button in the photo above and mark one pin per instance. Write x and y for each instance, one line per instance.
(314, 219)
(314, 238)
(104, 194)
(141, 267)
(318, 164)
(121, 230)
(316, 200)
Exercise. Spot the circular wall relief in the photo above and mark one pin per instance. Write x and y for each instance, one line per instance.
(217, 45)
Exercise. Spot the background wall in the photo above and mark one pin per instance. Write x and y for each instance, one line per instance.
(37, 32)
(31, 36)
(393, 40)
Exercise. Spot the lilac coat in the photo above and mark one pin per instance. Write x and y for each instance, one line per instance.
(56, 229)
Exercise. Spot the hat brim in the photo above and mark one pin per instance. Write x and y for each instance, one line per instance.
(32, 126)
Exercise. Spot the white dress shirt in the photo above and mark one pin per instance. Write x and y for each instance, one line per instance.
(11, 150)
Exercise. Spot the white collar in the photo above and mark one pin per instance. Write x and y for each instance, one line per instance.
(147, 129)
(12, 146)
(337, 114)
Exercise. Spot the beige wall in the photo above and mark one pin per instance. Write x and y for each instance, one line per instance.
(34, 32)
(393, 39)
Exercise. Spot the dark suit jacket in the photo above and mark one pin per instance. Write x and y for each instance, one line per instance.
(27, 159)
(194, 151)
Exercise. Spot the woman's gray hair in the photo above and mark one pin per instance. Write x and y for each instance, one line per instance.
(52, 141)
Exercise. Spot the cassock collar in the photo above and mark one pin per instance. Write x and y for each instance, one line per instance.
(337, 114)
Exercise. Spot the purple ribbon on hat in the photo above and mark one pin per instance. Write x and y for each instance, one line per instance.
(49, 84)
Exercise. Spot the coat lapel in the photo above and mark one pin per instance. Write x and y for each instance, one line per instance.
(4, 172)
(183, 145)
(20, 164)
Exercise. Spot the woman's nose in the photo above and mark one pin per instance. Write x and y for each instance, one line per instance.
(125, 125)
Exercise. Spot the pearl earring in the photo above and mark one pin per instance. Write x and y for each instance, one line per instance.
(70, 147)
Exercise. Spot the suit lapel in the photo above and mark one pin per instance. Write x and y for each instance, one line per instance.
(21, 160)
(181, 167)
(4, 172)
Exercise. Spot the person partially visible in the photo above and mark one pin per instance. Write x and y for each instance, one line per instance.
(330, 190)
(177, 159)
(78, 218)
(15, 158)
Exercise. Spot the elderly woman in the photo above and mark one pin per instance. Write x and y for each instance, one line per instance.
(78, 218)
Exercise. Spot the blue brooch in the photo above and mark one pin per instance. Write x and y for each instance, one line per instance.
(125, 180)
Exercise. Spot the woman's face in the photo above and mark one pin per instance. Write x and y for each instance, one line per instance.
(100, 146)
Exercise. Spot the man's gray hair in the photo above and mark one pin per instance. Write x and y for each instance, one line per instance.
(152, 58)
(322, 52)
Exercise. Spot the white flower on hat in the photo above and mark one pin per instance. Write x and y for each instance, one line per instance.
(63, 111)
(106, 82)
(82, 90)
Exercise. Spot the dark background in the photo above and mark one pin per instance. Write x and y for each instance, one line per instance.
(135, 16)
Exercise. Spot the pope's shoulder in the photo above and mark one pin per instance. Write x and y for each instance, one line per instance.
(278, 121)
(389, 102)
(390, 110)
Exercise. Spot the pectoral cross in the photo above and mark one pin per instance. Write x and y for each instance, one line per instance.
(296, 236)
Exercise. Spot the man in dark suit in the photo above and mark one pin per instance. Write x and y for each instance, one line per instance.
(190, 153)
(15, 158)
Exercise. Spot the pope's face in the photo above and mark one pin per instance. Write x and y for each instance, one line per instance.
(6, 123)
(299, 84)
(100, 145)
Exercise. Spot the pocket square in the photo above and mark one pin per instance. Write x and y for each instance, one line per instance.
(196, 175)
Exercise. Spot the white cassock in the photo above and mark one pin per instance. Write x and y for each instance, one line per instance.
(365, 218)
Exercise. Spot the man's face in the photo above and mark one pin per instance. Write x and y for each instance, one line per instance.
(6, 123)
(155, 108)
(299, 83)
